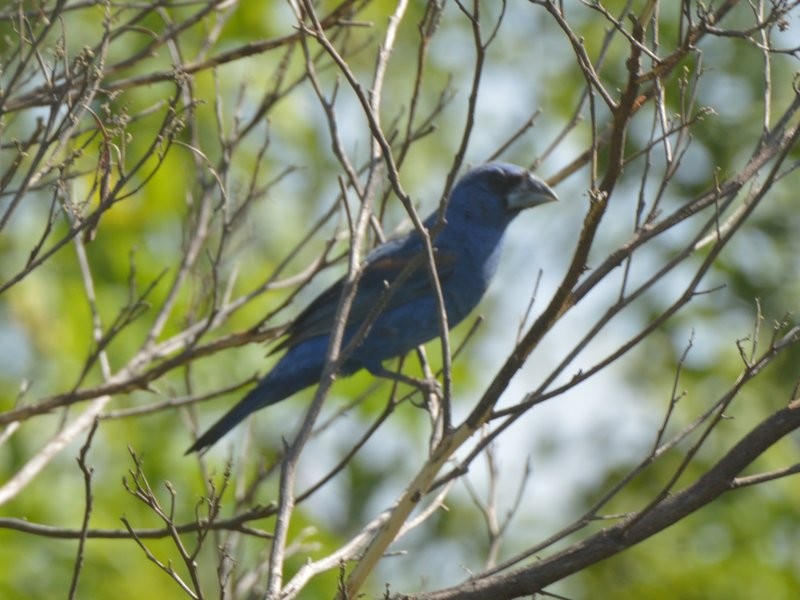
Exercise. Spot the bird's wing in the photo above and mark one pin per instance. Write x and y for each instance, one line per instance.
(382, 268)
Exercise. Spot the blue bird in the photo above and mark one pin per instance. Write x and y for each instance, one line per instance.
(467, 249)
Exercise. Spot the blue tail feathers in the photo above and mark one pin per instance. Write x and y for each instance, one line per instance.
(298, 369)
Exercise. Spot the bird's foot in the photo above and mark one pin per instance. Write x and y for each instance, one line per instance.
(432, 396)
(427, 386)
(431, 387)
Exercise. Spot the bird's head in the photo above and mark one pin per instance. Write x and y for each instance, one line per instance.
(494, 193)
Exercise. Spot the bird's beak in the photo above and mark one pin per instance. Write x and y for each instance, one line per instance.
(531, 192)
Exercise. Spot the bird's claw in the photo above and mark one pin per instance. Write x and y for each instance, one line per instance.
(431, 387)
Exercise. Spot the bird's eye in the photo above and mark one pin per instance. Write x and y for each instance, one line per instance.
(502, 182)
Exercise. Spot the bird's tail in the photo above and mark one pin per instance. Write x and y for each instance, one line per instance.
(284, 380)
(231, 418)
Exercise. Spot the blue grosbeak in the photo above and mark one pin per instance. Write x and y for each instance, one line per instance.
(467, 249)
